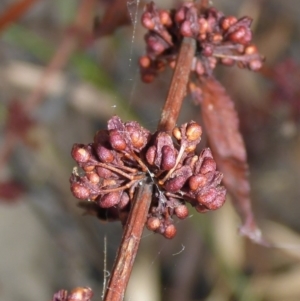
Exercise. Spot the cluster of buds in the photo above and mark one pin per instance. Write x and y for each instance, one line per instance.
(220, 39)
(77, 294)
(125, 154)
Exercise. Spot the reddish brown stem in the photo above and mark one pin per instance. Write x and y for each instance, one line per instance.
(178, 85)
(129, 245)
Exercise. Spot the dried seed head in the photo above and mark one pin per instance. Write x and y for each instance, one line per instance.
(170, 231)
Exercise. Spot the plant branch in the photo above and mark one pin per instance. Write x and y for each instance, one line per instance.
(129, 245)
(178, 85)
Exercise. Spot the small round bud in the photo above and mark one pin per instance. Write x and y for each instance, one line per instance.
(109, 200)
(203, 26)
(193, 131)
(180, 15)
(80, 294)
(227, 61)
(251, 49)
(165, 18)
(208, 165)
(168, 159)
(190, 148)
(217, 37)
(105, 155)
(93, 177)
(186, 29)
(145, 61)
(79, 191)
(197, 181)
(116, 140)
(170, 231)
(124, 200)
(137, 139)
(207, 197)
(181, 211)
(153, 223)
(177, 133)
(104, 172)
(151, 154)
(227, 22)
(255, 65)
(88, 168)
(175, 184)
(80, 154)
(148, 77)
(147, 21)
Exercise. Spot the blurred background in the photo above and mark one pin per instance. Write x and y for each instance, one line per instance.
(70, 84)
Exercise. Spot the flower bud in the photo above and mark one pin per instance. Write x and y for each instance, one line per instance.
(168, 159)
(208, 165)
(80, 191)
(153, 223)
(197, 181)
(151, 154)
(105, 155)
(193, 131)
(175, 184)
(80, 294)
(109, 200)
(181, 211)
(170, 231)
(177, 133)
(116, 140)
(80, 154)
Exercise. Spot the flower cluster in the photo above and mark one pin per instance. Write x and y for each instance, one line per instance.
(220, 39)
(125, 154)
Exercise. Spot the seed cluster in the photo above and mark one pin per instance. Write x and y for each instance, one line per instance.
(125, 154)
(220, 39)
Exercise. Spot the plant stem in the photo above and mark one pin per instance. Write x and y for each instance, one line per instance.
(178, 85)
(129, 245)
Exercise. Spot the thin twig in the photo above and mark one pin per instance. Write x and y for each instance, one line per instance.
(129, 244)
(178, 85)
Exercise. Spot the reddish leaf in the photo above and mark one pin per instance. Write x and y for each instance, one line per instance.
(222, 127)
(14, 12)
(115, 16)
(10, 191)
